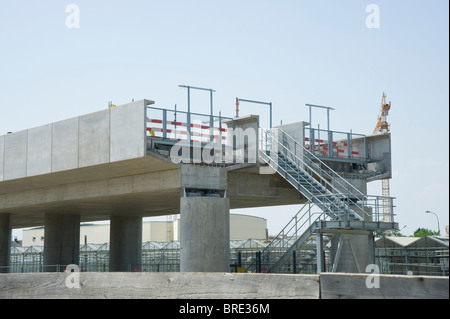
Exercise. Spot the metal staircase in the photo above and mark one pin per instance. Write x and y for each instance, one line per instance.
(332, 202)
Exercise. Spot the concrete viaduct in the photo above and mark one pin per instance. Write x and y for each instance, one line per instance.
(101, 166)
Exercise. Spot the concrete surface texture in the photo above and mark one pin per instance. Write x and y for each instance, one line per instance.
(205, 234)
(220, 286)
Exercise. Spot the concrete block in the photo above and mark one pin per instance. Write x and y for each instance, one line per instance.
(128, 131)
(203, 177)
(39, 152)
(65, 145)
(2, 155)
(160, 286)
(94, 139)
(245, 137)
(356, 286)
(15, 158)
(205, 234)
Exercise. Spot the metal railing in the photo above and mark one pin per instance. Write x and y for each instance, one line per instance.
(300, 227)
(181, 125)
(335, 144)
(339, 195)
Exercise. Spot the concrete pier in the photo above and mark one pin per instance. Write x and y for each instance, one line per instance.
(5, 242)
(352, 253)
(205, 220)
(205, 234)
(61, 241)
(125, 243)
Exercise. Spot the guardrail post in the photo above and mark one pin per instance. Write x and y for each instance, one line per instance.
(330, 143)
(164, 133)
(349, 145)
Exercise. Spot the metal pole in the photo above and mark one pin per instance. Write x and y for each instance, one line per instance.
(349, 144)
(164, 124)
(439, 228)
(211, 120)
(188, 122)
(319, 252)
(328, 118)
(294, 262)
(310, 116)
(270, 114)
(175, 121)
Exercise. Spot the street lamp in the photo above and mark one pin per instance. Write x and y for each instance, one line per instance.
(439, 228)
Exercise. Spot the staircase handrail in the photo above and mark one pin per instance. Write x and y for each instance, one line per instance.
(323, 180)
(295, 223)
(334, 176)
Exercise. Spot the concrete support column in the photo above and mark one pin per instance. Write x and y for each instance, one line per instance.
(125, 243)
(352, 253)
(204, 220)
(61, 241)
(205, 234)
(5, 242)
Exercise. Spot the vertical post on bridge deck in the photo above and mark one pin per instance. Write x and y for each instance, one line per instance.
(164, 133)
(188, 121)
(211, 119)
(189, 109)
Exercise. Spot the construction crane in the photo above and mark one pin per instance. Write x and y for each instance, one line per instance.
(382, 124)
(383, 127)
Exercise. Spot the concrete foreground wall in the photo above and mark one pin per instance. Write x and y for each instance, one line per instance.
(220, 286)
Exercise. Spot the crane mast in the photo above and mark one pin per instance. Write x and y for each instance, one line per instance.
(383, 127)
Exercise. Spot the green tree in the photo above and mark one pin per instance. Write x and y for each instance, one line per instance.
(391, 233)
(420, 232)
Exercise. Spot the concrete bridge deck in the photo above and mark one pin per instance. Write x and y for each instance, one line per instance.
(98, 165)
(106, 165)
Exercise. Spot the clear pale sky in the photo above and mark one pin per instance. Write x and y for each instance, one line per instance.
(286, 52)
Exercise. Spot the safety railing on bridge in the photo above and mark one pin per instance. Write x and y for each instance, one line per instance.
(175, 125)
(290, 158)
(334, 144)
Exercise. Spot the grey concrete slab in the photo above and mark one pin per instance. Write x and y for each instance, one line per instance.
(128, 131)
(65, 145)
(368, 286)
(94, 139)
(159, 286)
(39, 150)
(15, 158)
